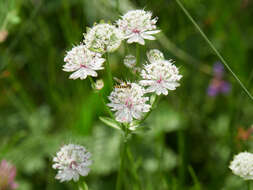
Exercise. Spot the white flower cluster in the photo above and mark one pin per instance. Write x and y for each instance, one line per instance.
(82, 62)
(138, 25)
(129, 102)
(160, 75)
(103, 38)
(71, 162)
(242, 165)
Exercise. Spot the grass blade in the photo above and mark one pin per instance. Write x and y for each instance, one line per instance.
(213, 47)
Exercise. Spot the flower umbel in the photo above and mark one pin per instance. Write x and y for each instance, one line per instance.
(103, 38)
(130, 61)
(242, 165)
(138, 25)
(129, 102)
(154, 55)
(160, 76)
(71, 161)
(82, 62)
(7, 176)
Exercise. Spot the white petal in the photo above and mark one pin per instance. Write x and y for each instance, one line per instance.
(132, 39)
(152, 32)
(148, 37)
(81, 73)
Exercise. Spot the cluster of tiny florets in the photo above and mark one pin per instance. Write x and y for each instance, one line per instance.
(71, 162)
(160, 76)
(242, 165)
(138, 25)
(130, 61)
(103, 38)
(129, 103)
(82, 62)
(155, 55)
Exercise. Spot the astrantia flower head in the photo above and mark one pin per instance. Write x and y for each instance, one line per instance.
(99, 84)
(130, 61)
(160, 76)
(71, 162)
(242, 165)
(129, 102)
(103, 38)
(82, 62)
(155, 55)
(7, 176)
(138, 25)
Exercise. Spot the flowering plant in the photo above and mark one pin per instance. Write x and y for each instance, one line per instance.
(130, 102)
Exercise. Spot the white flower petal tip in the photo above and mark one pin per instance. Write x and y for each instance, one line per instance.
(128, 102)
(138, 25)
(82, 62)
(103, 38)
(71, 162)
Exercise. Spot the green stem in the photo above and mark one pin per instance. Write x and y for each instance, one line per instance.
(117, 6)
(109, 72)
(213, 48)
(81, 185)
(122, 161)
(133, 168)
(248, 185)
(137, 54)
(181, 150)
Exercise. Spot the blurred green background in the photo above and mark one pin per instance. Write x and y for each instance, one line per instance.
(192, 136)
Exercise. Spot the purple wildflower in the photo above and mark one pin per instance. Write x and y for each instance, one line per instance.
(217, 84)
(218, 70)
(7, 176)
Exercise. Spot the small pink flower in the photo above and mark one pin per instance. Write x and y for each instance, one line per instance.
(7, 176)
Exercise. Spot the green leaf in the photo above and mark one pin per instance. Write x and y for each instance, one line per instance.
(110, 122)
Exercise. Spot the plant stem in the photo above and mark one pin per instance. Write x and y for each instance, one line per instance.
(181, 150)
(81, 185)
(122, 161)
(137, 54)
(213, 48)
(133, 168)
(248, 185)
(109, 72)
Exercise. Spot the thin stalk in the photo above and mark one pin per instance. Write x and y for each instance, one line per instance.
(117, 6)
(213, 48)
(122, 162)
(82, 185)
(181, 150)
(248, 185)
(137, 55)
(108, 69)
(133, 168)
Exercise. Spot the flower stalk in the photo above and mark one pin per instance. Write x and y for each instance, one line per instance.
(122, 158)
(109, 72)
